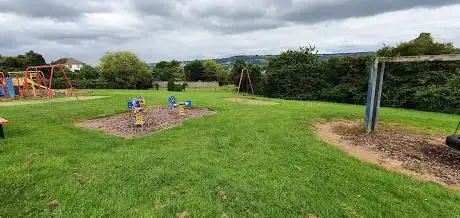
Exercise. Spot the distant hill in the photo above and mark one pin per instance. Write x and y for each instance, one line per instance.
(263, 59)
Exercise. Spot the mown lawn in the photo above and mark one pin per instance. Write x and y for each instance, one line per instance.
(267, 160)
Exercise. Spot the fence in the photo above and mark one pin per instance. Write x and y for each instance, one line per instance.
(164, 84)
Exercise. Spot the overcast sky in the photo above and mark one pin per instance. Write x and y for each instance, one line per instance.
(188, 29)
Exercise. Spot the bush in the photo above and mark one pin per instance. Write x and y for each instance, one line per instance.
(296, 74)
(90, 83)
(432, 86)
(173, 87)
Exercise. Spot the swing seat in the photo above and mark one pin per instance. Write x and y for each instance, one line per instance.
(453, 142)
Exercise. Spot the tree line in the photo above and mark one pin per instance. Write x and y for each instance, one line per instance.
(432, 86)
(20, 62)
(294, 74)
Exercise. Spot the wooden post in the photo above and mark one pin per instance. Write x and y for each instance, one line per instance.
(239, 84)
(250, 83)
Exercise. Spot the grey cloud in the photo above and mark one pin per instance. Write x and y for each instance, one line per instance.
(59, 10)
(222, 16)
(305, 13)
(234, 27)
(172, 28)
(165, 8)
(76, 38)
(243, 16)
(7, 42)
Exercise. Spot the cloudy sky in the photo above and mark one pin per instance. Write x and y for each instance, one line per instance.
(187, 29)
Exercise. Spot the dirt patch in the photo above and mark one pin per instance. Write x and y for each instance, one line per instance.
(161, 207)
(183, 214)
(53, 205)
(221, 193)
(155, 119)
(412, 152)
(250, 101)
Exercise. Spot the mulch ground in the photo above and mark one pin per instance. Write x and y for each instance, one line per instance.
(155, 119)
(419, 152)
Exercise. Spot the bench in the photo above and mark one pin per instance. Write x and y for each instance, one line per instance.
(2, 122)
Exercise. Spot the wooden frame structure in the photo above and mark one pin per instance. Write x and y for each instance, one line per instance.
(374, 91)
(241, 80)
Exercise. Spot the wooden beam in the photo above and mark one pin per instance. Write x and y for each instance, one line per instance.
(422, 58)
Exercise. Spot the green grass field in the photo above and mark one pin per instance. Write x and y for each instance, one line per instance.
(266, 158)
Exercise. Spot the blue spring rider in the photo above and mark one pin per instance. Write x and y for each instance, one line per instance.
(137, 108)
(174, 104)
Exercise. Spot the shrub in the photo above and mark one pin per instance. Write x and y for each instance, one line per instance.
(171, 85)
(295, 74)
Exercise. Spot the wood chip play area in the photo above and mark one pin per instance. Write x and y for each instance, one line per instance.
(155, 119)
(415, 153)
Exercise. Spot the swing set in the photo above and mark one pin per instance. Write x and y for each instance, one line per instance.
(243, 71)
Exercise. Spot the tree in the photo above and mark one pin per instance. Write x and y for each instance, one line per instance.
(164, 71)
(161, 72)
(211, 70)
(34, 59)
(224, 77)
(171, 85)
(88, 72)
(347, 79)
(195, 70)
(177, 71)
(124, 70)
(295, 74)
(255, 71)
(422, 45)
(418, 85)
(21, 62)
(237, 67)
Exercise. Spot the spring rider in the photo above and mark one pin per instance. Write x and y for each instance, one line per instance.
(137, 110)
(179, 105)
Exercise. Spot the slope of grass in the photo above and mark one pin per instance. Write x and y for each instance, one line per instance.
(267, 160)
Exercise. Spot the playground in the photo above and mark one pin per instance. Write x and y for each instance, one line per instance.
(246, 160)
(33, 83)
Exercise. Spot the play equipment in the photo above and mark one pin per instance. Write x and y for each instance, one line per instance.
(376, 76)
(6, 87)
(33, 82)
(137, 110)
(453, 141)
(181, 106)
(241, 80)
(2, 123)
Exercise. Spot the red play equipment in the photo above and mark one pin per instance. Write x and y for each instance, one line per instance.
(34, 77)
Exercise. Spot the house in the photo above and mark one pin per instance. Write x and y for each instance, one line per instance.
(71, 63)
